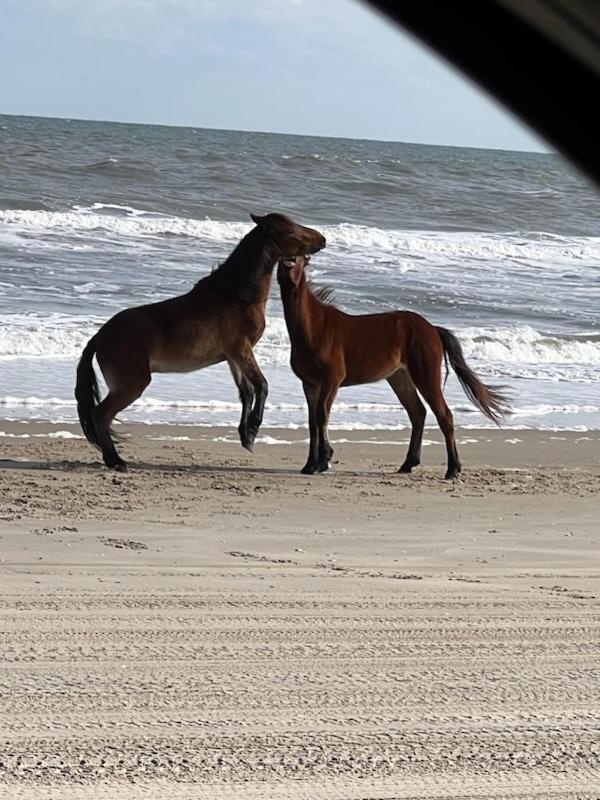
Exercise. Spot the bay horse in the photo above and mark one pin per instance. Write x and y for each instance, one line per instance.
(331, 349)
(220, 319)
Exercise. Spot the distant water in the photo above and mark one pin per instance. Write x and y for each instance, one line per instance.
(502, 247)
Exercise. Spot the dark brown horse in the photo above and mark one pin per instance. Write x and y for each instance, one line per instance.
(220, 319)
(332, 349)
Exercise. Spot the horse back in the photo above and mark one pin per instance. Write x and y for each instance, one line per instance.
(362, 348)
(183, 333)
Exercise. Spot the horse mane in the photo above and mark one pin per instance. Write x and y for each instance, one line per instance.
(243, 272)
(324, 294)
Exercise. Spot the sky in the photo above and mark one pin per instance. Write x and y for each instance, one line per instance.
(323, 67)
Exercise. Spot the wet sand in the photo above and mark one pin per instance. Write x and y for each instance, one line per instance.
(215, 625)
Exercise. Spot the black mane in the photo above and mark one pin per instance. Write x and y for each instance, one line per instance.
(242, 274)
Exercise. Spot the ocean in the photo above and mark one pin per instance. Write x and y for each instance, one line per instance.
(501, 247)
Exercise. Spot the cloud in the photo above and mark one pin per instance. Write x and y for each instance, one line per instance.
(314, 66)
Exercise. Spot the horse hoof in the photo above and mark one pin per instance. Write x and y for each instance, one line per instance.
(453, 475)
(247, 440)
(309, 469)
(408, 466)
(117, 464)
(118, 467)
(324, 467)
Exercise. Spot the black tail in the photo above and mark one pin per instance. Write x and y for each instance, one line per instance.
(490, 401)
(87, 393)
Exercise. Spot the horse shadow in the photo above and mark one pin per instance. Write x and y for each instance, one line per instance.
(143, 466)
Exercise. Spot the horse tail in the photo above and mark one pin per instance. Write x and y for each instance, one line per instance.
(492, 402)
(87, 394)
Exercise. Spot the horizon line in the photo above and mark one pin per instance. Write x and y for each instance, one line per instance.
(277, 133)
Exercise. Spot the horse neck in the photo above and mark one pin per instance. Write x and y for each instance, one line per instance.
(299, 308)
(247, 272)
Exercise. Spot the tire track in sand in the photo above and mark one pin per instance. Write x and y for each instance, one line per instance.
(321, 690)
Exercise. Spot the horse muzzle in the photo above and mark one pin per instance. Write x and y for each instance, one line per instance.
(322, 243)
(290, 263)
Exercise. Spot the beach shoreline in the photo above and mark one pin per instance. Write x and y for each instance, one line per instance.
(215, 624)
(503, 448)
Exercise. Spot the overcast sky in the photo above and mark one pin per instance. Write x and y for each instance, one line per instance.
(326, 67)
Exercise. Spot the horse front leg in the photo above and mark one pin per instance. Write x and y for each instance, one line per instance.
(326, 398)
(246, 393)
(251, 374)
(311, 392)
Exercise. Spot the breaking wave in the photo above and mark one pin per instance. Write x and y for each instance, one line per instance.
(63, 337)
(132, 222)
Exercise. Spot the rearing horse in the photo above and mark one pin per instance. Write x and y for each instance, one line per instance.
(332, 349)
(220, 319)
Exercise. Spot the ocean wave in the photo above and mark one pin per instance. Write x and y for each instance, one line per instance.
(157, 406)
(193, 415)
(20, 204)
(10, 401)
(64, 337)
(522, 344)
(336, 158)
(545, 409)
(510, 352)
(115, 209)
(115, 167)
(102, 164)
(54, 336)
(531, 246)
(132, 222)
(49, 435)
(303, 158)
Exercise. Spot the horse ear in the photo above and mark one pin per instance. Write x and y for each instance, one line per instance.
(257, 219)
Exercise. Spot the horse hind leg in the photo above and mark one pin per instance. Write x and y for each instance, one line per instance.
(428, 380)
(405, 391)
(446, 423)
(114, 402)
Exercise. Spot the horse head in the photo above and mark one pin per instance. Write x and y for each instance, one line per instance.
(291, 269)
(290, 238)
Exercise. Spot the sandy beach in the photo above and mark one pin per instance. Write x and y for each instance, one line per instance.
(215, 625)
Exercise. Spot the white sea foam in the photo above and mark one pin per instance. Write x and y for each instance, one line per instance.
(136, 223)
(132, 222)
(466, 245)
(50, 336)
(262, 439)
(543, 416)
(274, 440)
(10, 401)
(546, 409)
(120, 209)
(518, 351)
(49, 435)
(156, 406)
(522, 344)
(170, 438)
